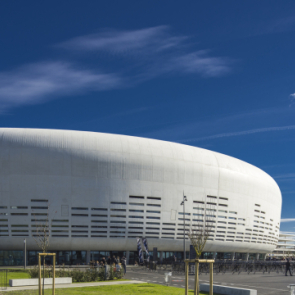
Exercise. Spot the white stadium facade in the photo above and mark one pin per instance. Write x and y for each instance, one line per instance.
(102, 191)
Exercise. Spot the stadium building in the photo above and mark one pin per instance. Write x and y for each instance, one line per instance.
(285, 247)
(100, 192)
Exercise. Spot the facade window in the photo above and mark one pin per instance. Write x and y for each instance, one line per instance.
(18, 225)
(131, 210)
(118, 203)
(136, 197)
(133, 216)
(154, 198)
(99, 209)
(123, 210)
(154, 205)
(119, 216)
(39, 200)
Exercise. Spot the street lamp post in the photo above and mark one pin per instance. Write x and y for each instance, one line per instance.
(183, 204)
(25, 253)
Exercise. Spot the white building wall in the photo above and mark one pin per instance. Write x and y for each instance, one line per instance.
(91, 170)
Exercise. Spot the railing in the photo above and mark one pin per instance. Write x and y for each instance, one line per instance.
(9, 273)
(220, 267)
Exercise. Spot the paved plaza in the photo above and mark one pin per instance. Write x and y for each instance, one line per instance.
(272, 283)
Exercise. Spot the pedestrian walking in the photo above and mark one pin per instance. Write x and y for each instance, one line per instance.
(123, 262)
(288, 267)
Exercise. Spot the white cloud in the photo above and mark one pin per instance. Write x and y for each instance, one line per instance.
(154, 51)
(287, 176)
(35, 83)
(288, 220)
(292, 99)
(126, 42)
(239, 133)
(199, 62)
(136, 55)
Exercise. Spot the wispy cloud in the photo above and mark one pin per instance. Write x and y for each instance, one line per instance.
(240, 133)
(34, 83)
(154, 51)
(285, 176)
(134, 56)
(292, 99)
(288, 220)
(281, 25)
(148, 40)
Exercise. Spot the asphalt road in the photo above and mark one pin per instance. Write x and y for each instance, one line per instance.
(272, 283)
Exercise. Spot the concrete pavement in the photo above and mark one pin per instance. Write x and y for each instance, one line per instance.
(75, 285)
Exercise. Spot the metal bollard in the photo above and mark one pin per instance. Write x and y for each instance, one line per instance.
(292, 287)
(168, 277)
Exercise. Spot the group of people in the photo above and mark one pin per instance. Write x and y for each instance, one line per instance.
(115, 261)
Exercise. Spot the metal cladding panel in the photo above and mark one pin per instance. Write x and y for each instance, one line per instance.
(107, 181)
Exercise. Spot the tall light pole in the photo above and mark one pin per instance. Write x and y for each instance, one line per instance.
(183, 204)
(25, 253)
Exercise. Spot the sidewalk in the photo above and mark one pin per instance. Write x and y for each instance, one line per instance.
(75, 285)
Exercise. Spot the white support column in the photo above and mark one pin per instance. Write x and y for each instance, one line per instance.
(247, 257)
(257, 256)
(161, 256)
(233, 256)
(87, 257)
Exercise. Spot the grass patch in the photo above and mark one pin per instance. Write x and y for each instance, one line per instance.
(12, 275)
(136, 289)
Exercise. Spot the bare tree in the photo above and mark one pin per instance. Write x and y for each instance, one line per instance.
(41, 233)
(202, 227)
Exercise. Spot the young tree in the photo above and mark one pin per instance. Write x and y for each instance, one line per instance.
(41, 234)
(199, 232)
(202, 227)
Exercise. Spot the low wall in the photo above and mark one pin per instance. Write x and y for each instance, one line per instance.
(35, 282)
(228, 290)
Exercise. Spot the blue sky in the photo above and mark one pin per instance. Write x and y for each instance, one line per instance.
(214, 74)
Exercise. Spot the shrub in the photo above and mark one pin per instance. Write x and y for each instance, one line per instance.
(89, 275)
